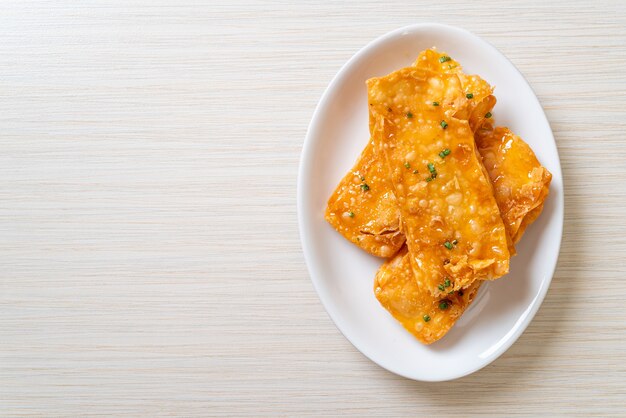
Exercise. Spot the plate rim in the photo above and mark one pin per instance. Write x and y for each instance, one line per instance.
(303, 213)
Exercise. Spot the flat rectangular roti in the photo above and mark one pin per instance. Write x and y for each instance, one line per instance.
(426, 317)
(521, 186)
(371, 221)
(449, 215)
(363, 208)
(452, 222)
(478, 92)
(520, 183)
(371, 216)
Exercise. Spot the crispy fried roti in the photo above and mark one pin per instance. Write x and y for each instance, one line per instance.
(426, 317)
(363, 208)
(521, 187)
(371, 220)
(478, 92)
(449, 214)
(521, 183)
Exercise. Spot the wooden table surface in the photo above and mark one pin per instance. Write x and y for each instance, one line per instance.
(150, 261)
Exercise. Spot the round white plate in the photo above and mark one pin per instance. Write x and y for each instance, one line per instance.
(343, 274)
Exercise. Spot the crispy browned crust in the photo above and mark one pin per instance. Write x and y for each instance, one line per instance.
(399, 293)
(455, 206)
(376, 226)
(363, 207)
(521, 183)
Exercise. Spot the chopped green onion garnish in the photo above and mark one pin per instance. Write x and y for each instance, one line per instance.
(407, 165)
(488, 115)
(441, 287)
(435, 103)
(351, 214)
(365, 187)
(444, 124)
(444, 58)
(428, 179)
(362, 178)
(431, 167)
(444, 153)
(409, 115)
(443, 305)
(448, 245)
(469, 95)
(426, 318)
(446, 282)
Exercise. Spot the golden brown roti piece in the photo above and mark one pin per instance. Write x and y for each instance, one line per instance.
(477, 91)
(426, 317)
(449, 214)
(521, 183)
(375, 225)
(395, 286)
(363, 208)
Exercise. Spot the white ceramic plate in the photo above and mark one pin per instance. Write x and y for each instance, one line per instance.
(343, 274)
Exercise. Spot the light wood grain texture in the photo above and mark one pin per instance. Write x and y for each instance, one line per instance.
(150, 262)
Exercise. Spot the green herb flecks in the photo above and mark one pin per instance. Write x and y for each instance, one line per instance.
(433, 172)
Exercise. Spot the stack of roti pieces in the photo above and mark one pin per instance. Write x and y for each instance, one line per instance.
(439, 191)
